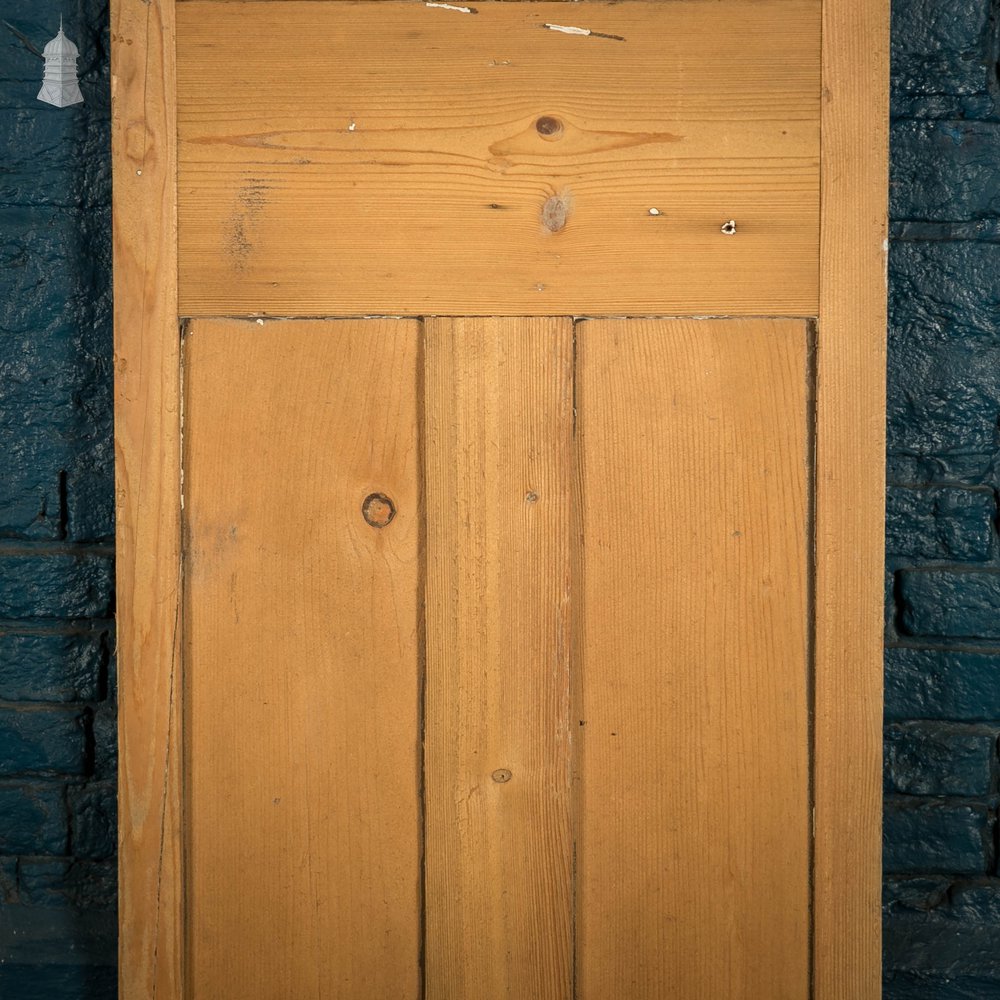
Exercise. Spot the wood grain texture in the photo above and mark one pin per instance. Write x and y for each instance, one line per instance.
(320, 146)
(302, 660)
(693, 829)
(850, 499)
(498, 472)
(147, 485)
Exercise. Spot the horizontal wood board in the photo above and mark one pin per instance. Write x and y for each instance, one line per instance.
(338, 159)
(302, 660)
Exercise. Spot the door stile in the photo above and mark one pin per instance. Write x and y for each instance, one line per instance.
(147, 499)
(850, 499)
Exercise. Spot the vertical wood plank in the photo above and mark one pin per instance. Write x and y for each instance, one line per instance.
(147, 485)
(693, 831)
(850, 498)
(498, 471)
(302, 659)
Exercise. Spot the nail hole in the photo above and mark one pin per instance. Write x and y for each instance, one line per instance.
(729, 228)
(502, 775)
(378, 510)
(531, 497)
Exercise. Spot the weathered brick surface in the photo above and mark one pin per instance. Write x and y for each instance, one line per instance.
(943, 56)
(950, 603)
(53, 666)
(944, 349)
(931, 758)
(945, 171)
(942, 683)
(8, 881)
(940, 523)
(43, 741)
(937, 835)
(942, 694)
(40, 584)
(33, 818)
(93, 819)
(57, 873)
(82, 885)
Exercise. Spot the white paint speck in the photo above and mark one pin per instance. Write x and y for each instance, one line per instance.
(138, 173)
(260, 322)
(352, 126)
(451, 6)
(567, 29)
(885, 246)
(654, 211)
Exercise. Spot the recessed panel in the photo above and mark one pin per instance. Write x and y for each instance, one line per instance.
(301, 660)
(692, 665)
(499, 158)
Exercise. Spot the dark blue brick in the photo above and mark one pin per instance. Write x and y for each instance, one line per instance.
(942, 292)
(58, 981)
(31, 493)
(944, 170)
(944, 348)
(55, 953)
(39, 274)
(8, 881)
(105, 730)
(40, 741)
(933, 758)
(68, 882)
(33, 819)
(953, 932)
(919, 986)
(90, 513)
(950, 603)
(927, 835)
(941, 49)
(52, 667)
(93, 815)
(58, 942)
(69, 150)
(942, 684)
(940, 523)
(55, 586)
(973, 469)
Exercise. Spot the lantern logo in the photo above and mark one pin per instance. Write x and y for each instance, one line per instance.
(59, 85)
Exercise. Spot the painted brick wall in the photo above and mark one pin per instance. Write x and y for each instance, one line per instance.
(57, 715)
(942, 890)
(57, 806)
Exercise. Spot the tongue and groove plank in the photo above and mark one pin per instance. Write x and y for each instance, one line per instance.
(691, 646)
(302, 661)
(499, 843)
(320, 143)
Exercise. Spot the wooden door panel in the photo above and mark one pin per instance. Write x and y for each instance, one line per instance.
(499, 842)
(320, 143)
(466, 654)
(301, 645)
(692, 661)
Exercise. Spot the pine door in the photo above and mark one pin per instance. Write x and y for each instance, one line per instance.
(499, 451)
